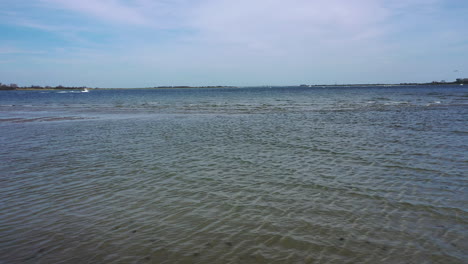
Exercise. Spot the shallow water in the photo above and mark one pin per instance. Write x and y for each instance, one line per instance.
(241, 175)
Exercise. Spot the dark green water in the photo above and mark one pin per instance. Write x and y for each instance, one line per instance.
(251, 175)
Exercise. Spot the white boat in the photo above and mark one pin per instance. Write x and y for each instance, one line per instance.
(85, 90)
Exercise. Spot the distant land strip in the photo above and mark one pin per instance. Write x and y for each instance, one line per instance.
(13, 86)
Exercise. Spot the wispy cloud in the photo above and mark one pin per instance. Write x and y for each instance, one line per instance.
(259, 24)
(112, 10)
(7, 50)
(265, 23)
(160, 14)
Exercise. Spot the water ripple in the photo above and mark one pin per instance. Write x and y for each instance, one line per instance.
(312, 177)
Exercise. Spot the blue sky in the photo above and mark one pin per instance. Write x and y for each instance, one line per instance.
(142, 43)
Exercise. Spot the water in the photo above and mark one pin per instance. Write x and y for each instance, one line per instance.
(241, 175)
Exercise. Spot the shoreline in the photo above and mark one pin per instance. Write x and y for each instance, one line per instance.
(218, 87)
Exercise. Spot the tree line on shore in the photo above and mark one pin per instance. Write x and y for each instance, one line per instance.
(14, 86)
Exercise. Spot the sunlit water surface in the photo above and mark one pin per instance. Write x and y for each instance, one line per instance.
(241, 175)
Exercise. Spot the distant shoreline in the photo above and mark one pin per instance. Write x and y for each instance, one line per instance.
(61, 88)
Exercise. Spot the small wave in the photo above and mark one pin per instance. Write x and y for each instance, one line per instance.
(64, 92)
(397, 103)
(42, 119)
(434, 103)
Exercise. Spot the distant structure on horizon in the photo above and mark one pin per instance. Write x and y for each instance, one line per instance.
(462, 80)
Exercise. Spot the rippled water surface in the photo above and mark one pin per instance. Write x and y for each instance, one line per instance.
(241, 175)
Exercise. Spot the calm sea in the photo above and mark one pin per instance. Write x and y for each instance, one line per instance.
(235, 175)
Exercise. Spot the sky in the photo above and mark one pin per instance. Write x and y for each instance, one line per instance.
(146, 43)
